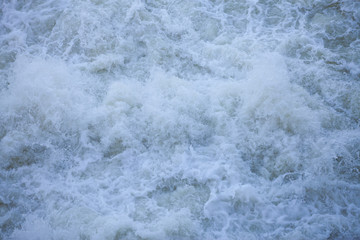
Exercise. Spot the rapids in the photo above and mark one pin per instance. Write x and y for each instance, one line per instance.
(183, 119)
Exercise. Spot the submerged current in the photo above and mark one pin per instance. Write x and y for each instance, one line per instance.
(185, 119)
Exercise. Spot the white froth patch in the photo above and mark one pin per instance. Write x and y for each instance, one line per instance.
(75, 223)
(166, 110)
(272, 102)
(46, 98)
(48, 91)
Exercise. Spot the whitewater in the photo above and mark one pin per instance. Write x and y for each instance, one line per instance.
(182, 119)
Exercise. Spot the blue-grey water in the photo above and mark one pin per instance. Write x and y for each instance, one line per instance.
(183, 119)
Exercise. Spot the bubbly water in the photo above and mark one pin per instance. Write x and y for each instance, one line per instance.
(183, 119)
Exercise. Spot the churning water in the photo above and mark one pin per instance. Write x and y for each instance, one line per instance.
(183, 119)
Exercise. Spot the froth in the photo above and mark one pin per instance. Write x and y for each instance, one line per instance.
(179, 120)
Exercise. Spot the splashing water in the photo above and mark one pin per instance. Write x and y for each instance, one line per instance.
(155, 119)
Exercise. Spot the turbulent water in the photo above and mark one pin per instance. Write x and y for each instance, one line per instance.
(184, 119)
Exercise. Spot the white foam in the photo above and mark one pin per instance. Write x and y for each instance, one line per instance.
(179, 120)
